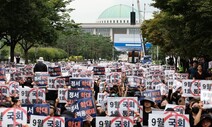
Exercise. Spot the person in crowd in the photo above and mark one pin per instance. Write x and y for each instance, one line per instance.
(200, 74)
(192, 70)
(16, 103)
(147, 103)
(28, 83)
(205, 121)
(40, 66)
(96, 87)
(176, 95)
(195, 114)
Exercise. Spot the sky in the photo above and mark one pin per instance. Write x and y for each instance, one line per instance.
(88, 11)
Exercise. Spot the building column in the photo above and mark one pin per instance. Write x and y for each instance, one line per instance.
(128, 31)
(94, 31)
(111, 34)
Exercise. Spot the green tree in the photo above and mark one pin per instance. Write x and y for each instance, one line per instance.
(77, 43)
(181, 28)
(33, 21)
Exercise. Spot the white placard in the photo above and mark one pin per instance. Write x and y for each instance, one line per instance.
(114, 122)
(13, 116)
(177, 108)
(191, 88)
(46, 121)
(62, 95)
(206, 98)
(206, 85)
(123, 106)
(55, 82)
(32, 95)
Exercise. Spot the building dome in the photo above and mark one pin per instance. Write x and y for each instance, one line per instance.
(117, 14)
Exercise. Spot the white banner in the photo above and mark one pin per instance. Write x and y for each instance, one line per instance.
(206, 98)
(46, 121)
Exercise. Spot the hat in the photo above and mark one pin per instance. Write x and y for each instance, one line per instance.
(40, 59)
(147, 99)
(205, 116)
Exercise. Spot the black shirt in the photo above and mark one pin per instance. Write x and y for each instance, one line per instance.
(145, 117)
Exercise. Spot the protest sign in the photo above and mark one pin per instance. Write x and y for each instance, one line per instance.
(122, 106)
(63, 95)
(156, 120)
(181, 76)
(17, 76)
(73, 122)
(46, 121)
(170, 83)
(151, 83)
(100, 97)
(114, 77)
(13, 88)
(54, 71)
(169, 74)
(114, 122)
(133, 81)
(177, 108)
(162, 87)
(13, 117)
(2, 74)
(99, 70)
(32, 95)
(37, 109)
(82, 74)
(4, 92)
(41, 79)
(79, 94)
(81, 83)
(154, 94)
(83, 107)
(168, 119)
(206, 98)
(28, 71)
(191, 88)
(206, 85)
(173, 119)
(56, 82)
(64, 71)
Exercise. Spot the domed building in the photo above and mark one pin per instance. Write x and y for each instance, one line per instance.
(114, 20)
(117, 14)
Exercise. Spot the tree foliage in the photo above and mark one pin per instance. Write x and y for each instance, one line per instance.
(83, 44)
(181, 28)
(31, 20)
(48, 53)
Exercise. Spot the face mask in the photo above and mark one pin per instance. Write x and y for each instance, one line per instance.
(102, 114)
(162, 107)
(195, 110)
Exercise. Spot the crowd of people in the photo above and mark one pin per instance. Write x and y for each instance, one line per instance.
(198, 116)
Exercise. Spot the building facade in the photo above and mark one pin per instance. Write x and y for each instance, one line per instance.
(114, 20)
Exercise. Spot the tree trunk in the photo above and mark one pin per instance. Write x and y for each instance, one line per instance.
(26, 56)
(176, 58)
(12, 51)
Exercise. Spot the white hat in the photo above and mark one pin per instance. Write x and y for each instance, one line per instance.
(40, 59)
